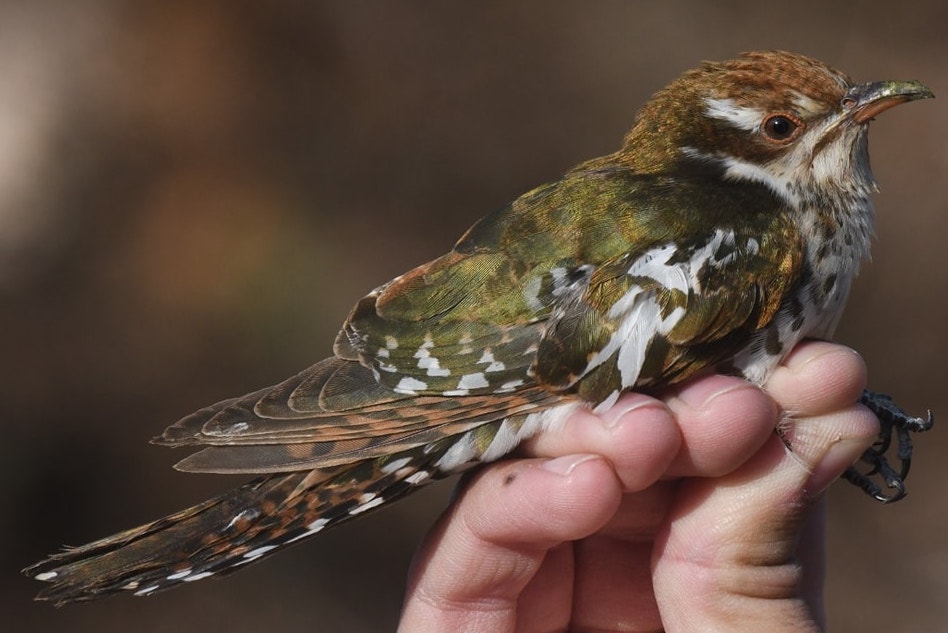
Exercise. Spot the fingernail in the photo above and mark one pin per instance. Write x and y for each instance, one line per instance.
(699, 394)
(815, 351)
(633, 402)
(565, 465)
(840, 456)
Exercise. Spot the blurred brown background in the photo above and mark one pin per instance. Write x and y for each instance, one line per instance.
(192, 195)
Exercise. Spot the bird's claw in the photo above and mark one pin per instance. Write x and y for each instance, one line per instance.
(892, 421)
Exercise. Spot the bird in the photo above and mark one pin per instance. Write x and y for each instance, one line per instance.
(728, 227)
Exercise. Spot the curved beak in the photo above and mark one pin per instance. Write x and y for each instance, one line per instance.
(865, 101)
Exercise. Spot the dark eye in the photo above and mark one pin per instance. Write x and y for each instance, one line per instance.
(781, 127)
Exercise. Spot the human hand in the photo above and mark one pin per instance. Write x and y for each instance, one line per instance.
(680, 514)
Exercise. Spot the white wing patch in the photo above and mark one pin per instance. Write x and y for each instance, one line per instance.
(465, 450)
(638, 313)
(473, 381)
(509, 436)
(654, 264)
(487, 358)
(430, 363)
(410, 386)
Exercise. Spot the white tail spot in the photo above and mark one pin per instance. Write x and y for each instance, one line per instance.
(398, 464)
(260, 551)
(367, 502)
(420, 477)
(146, 590)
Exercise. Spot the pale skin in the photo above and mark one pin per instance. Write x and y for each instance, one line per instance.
(680, 514)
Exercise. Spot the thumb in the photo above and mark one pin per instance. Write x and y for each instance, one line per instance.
(730, 556)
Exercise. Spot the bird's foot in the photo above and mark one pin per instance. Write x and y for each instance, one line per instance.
(873, 467)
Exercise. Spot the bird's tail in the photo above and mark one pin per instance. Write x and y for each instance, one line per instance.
(237, 528)
(331, 444)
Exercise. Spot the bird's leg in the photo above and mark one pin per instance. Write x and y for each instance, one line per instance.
(893, 421)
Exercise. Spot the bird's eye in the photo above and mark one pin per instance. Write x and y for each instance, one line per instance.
(781, 128)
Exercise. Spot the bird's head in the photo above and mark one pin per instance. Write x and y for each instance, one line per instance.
(781, 119)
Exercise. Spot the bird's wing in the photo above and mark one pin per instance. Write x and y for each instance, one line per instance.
(470, 322)
(487, 332)
(440, 350)
(460, 325)
(331, 414)
(658, 316)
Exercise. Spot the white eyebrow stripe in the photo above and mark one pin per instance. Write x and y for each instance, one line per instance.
(741, 117)
(808, 104)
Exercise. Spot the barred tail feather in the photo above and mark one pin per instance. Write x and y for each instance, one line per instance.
(228, 532)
